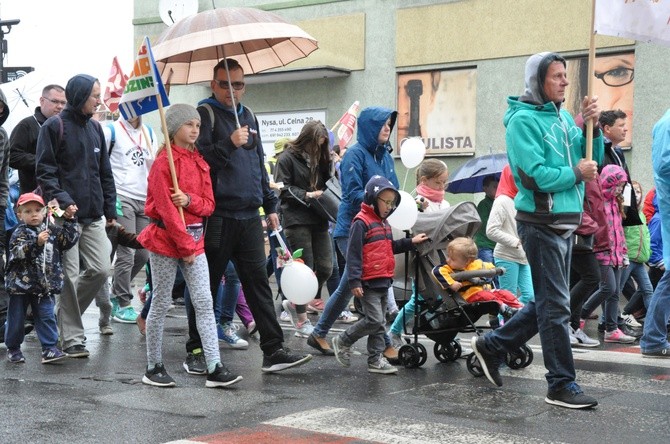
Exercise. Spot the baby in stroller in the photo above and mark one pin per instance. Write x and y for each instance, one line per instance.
(462, 256)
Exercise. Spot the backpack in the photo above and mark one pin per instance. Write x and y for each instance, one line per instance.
(112, 141)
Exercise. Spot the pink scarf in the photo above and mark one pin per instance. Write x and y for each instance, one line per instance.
(431, 194)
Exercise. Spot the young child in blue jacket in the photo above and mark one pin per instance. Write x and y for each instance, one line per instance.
(34, 276)
(370, 265)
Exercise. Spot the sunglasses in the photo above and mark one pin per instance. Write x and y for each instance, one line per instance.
(237, 86)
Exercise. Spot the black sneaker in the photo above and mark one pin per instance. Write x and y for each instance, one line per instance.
(572, 397)
(158, 377)
(663, 353)
(76, 351)
(490, 362)
(283, 359)
(221, 377)
(195, 363)
(52, 355)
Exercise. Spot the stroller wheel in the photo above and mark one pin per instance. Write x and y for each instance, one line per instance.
(423, 354)
(447, 352)
(412, 355)
(474, 367)
(529, 355)
(516, 359)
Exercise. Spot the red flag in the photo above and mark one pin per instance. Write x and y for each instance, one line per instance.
(115, 85)
(348, 122)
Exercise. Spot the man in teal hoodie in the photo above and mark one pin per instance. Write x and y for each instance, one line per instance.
(546, 152)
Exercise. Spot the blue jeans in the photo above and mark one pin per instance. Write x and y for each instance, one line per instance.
(655, 336)
(372, 325)
(45, 321)
(608, 293)
(549, 313)
(517, 279)
(337, 302)
(638, 272)
(226, 296)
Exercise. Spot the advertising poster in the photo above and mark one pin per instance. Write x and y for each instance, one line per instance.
(439, 107)
(274, 126)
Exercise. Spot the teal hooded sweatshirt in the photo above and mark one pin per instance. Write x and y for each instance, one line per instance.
(544, 146)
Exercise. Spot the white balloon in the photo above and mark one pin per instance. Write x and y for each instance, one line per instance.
(403, 218)
(412, 152)
(298, 283)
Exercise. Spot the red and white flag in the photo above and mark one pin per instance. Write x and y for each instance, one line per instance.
(643, 20)
(347, 124)
(115, 84)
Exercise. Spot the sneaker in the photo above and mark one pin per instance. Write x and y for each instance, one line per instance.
(618, 336)
(396, 340)
(195, 363)
(142, 325)
(252, 328)
(572, 397)
(631, 331)
(158, 377)
(52, 355)
(320, 344)
(76, 351)
(582, 339)
(573, 340)
(228, 336)
(317, 304)
(490, 362)
(304, 330)
(15, 356)
(582, 324)
(347, 317)
(290, 309)
(382, 366)
(282, 359)
(106, 330)
(221, 377)
(125, 315)
(630, 321)
(310, 309)
(115, 306)
(663, 353)
(342, 352)
(284, 316)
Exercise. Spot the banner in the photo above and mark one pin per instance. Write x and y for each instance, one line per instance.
(347, 124)
(644, 20)
(144, 85)
(115, 85)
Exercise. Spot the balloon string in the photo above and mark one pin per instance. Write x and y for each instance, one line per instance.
(405, 181)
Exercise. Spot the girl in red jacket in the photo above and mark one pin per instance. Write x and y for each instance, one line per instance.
(175, 242)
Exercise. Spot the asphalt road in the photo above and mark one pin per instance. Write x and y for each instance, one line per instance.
(102, 399)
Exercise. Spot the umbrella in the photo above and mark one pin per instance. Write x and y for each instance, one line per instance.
(23, 96)
(187, 51)
(470, 176)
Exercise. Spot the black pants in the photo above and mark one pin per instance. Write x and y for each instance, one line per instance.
(585, 270)
(242, 241)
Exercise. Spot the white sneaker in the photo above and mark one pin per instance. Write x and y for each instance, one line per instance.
(227, 333)
(304, 330)
(382, 366)
(284, 316)
(582, 339)
(573, 340)
(292, 314)
(347, 317)
(630, 321)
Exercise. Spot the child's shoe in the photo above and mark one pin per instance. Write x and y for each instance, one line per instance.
(342, 352)
(52, 355)
(507, 312)
(15, 356)
(106, 330)
(227, 333)
(382, 366)
(304, 329)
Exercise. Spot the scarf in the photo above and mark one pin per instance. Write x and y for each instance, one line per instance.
(430, 193)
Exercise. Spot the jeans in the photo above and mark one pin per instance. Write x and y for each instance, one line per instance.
(334, 279)
(372, 325)
(517, 279)
(337, 302)
(226, 295)
(655, 335)
(638, 272)
(549, 313)
(586, 267)
(43, 314)
(242, 241)
(608, 293)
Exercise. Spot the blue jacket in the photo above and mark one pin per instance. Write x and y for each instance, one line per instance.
(38, 271)
(366, 158)
(655, 237)
(660, 159)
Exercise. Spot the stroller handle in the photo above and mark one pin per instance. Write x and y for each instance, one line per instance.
(473, 274)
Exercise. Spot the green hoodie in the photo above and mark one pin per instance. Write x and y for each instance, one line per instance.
(544, 146)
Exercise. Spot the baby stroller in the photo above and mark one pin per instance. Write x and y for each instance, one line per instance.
(441, 314)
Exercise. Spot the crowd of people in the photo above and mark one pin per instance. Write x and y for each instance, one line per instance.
(197, 208)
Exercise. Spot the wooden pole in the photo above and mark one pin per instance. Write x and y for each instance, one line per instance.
(168, 147)
(589, 81)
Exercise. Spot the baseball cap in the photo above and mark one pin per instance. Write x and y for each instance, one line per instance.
(30, 197)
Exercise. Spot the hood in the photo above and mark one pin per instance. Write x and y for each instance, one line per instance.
(610, 177)
(506, 185)
(78, 90)
(376, 185)
(5, 113)
(536, 71)
(370, 123)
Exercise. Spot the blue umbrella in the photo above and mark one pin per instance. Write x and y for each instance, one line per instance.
(470, 176)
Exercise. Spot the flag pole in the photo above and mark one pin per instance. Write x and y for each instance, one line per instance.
(168, 147)
(589, 81)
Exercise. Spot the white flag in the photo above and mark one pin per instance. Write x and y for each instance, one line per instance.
(644, 20)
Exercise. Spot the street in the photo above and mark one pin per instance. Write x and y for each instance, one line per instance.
(102, 399)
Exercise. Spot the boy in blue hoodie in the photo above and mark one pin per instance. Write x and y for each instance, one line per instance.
(370, 265)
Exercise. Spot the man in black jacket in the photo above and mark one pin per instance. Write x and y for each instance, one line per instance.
(73, 168)
(23, 141)
(4, 194)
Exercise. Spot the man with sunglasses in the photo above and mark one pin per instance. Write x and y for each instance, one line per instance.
(235, 230)
(23, 140)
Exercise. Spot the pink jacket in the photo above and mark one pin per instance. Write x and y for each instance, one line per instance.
(611, 176)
